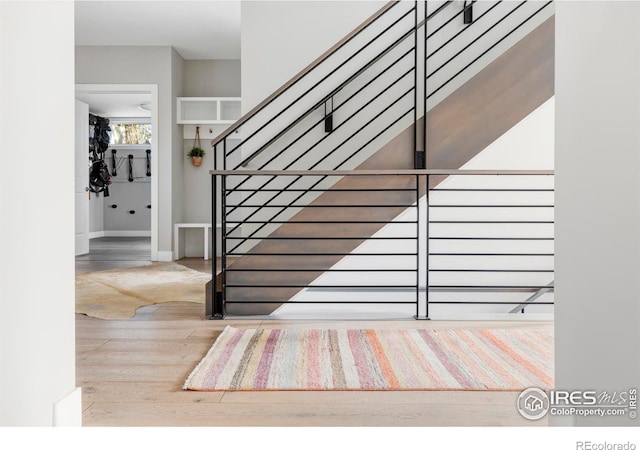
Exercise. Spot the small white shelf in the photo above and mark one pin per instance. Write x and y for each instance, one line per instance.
(208, 110)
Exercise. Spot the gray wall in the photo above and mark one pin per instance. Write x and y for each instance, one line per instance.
(597, 189)
(203, 78)
(206, 78)
(146, 65)
(37, 337)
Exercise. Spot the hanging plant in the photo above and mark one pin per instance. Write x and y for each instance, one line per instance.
(196, 153)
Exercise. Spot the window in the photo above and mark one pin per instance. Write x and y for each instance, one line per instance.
(130, 133)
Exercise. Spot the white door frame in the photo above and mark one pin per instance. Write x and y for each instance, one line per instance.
(81, 172)
(145, 89)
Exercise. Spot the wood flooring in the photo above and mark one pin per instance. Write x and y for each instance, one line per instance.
(131, 374)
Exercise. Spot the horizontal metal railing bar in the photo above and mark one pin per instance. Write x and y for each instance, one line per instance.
(492, 206)
(433, 302)
(282, 286)
(495, 270)
(491, 190)
(381, 172)
(231, 269)
(490, 254)
(260, 222)
(322, 190)
(529, 222)
(319, 254)
(492, 288)
(323, 238)
(413, 289)
(300, 75)
(470, 238)
(302, 302)
(320, 206)
(486, 51)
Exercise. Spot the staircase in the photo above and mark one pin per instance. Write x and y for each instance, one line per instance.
(361, 107)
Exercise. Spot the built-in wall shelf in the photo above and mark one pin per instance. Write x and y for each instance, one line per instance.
(208, 110)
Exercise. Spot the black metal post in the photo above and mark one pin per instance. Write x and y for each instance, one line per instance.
(223, 234)
(418, 156)
(424, 92)
(426, 253)
(417, 246)
(217, 311)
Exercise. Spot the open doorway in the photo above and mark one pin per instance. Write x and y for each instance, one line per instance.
(120, 219)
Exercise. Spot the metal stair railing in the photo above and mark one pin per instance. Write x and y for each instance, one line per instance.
(410, 272)
(373, 90)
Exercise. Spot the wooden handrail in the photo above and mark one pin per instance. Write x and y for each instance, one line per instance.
(338, 173)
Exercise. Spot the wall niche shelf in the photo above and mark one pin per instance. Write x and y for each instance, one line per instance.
(208, 110)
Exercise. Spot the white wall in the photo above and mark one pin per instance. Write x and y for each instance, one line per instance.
(37, 338)
(295, 34)
(212, 77)
(597, 190)
(146, 65)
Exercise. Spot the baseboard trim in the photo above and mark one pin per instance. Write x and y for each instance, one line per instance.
(119, 233)
(126, 233)
(165, 256)
(67, 412)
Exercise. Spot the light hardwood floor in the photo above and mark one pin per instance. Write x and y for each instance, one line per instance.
(131, 373)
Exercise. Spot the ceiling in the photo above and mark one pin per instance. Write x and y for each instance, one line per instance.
(196, 29)
(115, 105)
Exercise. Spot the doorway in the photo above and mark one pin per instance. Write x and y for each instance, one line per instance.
(123, 222)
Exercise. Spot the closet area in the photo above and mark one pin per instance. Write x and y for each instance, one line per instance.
(119, 155)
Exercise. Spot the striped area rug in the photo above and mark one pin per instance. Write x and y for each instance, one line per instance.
(447, 359)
